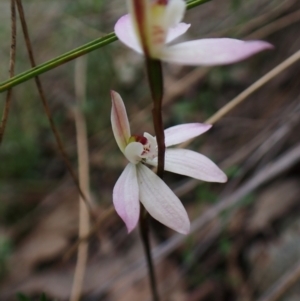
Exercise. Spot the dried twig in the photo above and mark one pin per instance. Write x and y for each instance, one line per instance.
(83, 169)
(282, 285)
(266, 174)
(258, 84)
(12, 60)
(256, 22)
(102, 219)
(276, 25)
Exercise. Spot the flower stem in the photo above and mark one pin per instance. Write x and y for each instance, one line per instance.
(146, 243)
(155, 77)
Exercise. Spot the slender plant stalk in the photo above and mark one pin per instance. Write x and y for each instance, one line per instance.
(46, 106)
(146, 243)
(71, 55)
(12, 60)
(83, 170)
(155, 78)
(105, 215)
(193, 3)
(255, 86)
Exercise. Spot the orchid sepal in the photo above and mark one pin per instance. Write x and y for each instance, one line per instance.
(119, 121)
(151, 35)
(126, 197)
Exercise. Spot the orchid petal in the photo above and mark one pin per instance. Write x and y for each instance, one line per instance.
(160, 201)
(150, 138)
(189, 163)
(125, 31)
(133, 152)
(174, 12)
(119, 121)
(177, 31)
(126, 197)
(152, 146)
(210, 52)
(183, 132)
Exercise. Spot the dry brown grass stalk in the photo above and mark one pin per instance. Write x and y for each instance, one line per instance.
(83, 169)
(12, 60)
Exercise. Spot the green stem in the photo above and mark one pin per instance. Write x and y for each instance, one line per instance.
(60, 60)
(146, 243)
(193, 3)
(155, 78)
(71, 55)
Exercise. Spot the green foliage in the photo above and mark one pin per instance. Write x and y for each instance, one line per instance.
(233, 171)
(182, 110)
(23, 297)
(83, 7)
(5, 251)
(224, 245)
(20, 149)
(236, 4)
(188, 256)
(205, 100)
(205, 194)
(244, 202)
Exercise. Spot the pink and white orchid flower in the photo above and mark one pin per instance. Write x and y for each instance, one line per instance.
(138, 183)
(152, 24)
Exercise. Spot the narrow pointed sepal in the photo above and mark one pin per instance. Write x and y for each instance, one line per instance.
(194, 165)
(125, 31)
(212, 52)
(184, 132)
(161, 202)
(189, 163)
(119, 121)
(126, 197)
(174, 13)
(177, 31)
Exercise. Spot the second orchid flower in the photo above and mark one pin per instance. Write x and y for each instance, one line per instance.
(152, 24)
(138, 183)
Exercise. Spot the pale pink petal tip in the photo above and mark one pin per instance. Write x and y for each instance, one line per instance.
(192, 164)
(161, 202)
(126, 197)
(212, 52)
(119, 121)
(222, 177)
(177, 31)
(183, 132)
(125, 32)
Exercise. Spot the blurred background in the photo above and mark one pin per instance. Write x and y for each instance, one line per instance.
(245, 239)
